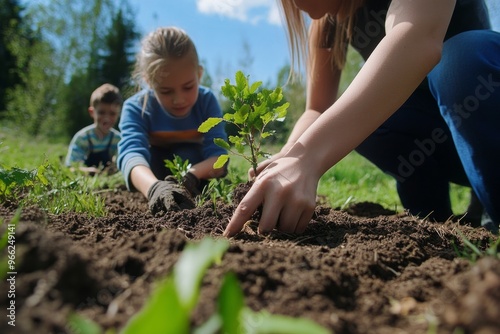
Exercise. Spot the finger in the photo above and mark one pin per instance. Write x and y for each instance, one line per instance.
(260, 168)
(305, 219)
(251, 174)
(245, 210)
(289, 217)
(296, 214)
(270, 214)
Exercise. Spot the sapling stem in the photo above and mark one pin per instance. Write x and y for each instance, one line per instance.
(254, 109)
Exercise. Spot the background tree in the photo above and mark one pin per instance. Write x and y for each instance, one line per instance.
(118, 56)
(11, 24)
(74, 53)
(111, 61)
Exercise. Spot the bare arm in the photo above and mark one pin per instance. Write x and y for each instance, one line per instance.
(411, 48)
(322, 84)
(322, 90)
(142, 178)
(205, 169)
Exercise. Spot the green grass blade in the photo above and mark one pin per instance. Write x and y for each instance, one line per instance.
(5, 236)
(267, 323)
(211, 326)
(80, 325)
(191, 266)
(469, 244)
(231, 303)
(162, 313)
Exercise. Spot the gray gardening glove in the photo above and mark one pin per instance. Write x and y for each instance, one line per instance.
(168, 195)
(192, 184)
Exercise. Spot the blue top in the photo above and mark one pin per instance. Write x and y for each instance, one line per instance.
(85, 142)
(151, 125)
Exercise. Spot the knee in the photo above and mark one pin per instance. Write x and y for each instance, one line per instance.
(468, 60)
(473, 52)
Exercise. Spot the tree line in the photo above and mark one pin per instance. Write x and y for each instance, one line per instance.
(55, 53)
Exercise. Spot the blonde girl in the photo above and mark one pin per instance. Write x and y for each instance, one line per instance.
(162, 120)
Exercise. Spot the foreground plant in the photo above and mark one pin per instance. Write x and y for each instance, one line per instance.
(8, 244)
(215, 189)
(474, 253)
(254, 110)
(14, 180)
(169, 308)
(178, 167)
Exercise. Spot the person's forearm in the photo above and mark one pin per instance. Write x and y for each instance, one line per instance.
(303, 123)
(205, 169)
(391, 74)
(142, 178)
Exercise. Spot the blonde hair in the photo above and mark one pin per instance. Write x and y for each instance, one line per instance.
(106, 93)
(158, 48)
(342, 25)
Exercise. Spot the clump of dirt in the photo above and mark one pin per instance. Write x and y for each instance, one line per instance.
(361, 270)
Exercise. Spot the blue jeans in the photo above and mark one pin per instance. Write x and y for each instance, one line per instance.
(447, 131)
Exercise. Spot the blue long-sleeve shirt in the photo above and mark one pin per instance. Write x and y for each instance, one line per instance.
(150, 125)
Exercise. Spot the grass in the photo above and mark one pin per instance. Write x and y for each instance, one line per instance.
(31, 172)
(353, 179)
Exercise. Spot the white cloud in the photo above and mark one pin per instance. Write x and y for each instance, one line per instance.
(251, 11)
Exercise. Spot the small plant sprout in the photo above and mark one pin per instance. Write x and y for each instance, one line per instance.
(178, 167)
(254, 109)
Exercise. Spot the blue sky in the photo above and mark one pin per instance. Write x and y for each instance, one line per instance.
(221, 28)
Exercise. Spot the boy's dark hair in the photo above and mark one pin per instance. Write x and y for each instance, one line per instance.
(106, 93)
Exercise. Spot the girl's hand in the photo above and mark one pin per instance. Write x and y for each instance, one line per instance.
(287, 193)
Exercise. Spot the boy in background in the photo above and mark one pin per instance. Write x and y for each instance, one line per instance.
(95, 146)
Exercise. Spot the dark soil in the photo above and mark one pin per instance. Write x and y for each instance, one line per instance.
(363, 270)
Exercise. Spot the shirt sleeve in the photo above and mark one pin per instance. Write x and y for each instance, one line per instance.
(114, 145)
(77, 150)
(133, 148)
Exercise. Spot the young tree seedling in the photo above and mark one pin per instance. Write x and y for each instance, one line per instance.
(254, 109)
(178, 167)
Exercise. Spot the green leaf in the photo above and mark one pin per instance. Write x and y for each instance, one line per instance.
(209, 123)
(266, 134)
(241, 115)
(221, 161)
(162, 313)
(266, 118)
(192, 264)
(228, 117)
(266, 323)
(81, 325)
(235, 139)
(222, 143)
(255, 86)
(230, 304)
(282, 110)
(211, 326)
(241, 81)
(240, 147)
(5, 236)
(229, 90)
(40, 173)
